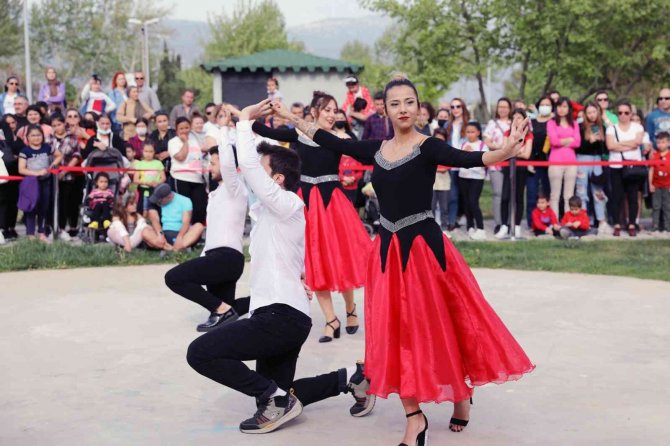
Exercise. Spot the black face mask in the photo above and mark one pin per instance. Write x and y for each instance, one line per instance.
(441, 122)
(340, 124)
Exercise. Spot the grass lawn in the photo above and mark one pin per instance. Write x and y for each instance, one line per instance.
(646, 259)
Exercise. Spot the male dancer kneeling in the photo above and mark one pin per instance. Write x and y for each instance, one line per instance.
(279, 322)
(222, 262)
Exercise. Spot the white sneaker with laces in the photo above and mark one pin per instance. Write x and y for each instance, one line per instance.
(517, 231)
(478, 234)
(64, 236)
(502, 232)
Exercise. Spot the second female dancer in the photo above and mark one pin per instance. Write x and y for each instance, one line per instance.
(337, 244)
(430, 334)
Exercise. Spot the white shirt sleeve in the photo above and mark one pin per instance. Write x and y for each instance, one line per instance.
(231, 178)
(279, 201)
(174, 146)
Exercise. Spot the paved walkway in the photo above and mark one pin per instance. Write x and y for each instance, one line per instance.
(96, 357)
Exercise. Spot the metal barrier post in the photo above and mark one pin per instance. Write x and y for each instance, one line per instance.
(56, 229)
(512, 198)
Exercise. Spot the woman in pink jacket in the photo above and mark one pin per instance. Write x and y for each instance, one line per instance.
(564, 138)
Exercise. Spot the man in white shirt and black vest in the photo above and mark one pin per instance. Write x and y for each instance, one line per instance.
(280, 321)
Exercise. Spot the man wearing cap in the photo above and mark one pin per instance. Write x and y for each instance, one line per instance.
(356, 90)
(222, 262)
(170, 215)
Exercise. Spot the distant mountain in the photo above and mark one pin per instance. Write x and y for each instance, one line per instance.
(323, 38)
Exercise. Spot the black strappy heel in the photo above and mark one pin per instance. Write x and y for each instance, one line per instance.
(423, 435)
(353, 328)
(458, 422)
(336, 331)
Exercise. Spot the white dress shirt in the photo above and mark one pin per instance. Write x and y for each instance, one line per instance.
(278, 238)
(227, 205)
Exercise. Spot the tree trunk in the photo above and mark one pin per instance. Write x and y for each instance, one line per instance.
(482, 96)
(524, 75)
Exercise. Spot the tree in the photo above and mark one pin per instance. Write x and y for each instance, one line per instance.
(375, 74)
(201, 83)
(252, 27)
(79, 37)
(438, 41)
(10, 28)
(170, 86)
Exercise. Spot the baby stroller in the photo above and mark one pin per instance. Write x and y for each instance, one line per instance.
(371, 213)
(87, 234)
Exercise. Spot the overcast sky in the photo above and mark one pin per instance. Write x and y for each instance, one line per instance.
(296, 12)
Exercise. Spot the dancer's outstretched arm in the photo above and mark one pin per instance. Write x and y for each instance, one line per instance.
(284, 135)
(363, 151)
(232, 179)
(269, 193)
(442, 153)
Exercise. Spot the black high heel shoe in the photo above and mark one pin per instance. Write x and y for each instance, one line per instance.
(458, 422)
(423, 435)
(336, 331)
(351, 329)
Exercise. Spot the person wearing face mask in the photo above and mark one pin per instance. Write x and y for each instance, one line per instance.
(537, 180)
(132, 110)
(442, 118)
(141, 136)
(104, 139)
(336, 241)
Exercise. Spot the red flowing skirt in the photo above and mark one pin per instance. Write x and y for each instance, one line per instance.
(430, 334)
(336, 244)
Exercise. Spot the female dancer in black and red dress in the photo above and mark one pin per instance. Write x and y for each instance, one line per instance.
(430, 334)
(336, 243)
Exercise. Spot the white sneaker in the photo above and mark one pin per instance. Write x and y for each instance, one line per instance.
(502, 232)
(517, 231)
(604, 229)
(471, 231)
(478, 234)
(64, 236)
(2, 239)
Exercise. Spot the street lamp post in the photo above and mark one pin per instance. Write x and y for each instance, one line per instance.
(26, 44)
(145, 45)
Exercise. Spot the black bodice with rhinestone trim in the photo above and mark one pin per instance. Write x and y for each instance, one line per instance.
(405, 187)
(315, 161)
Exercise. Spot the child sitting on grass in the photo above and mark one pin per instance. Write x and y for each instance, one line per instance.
(575, 223)
(101, 201)
(543, 218)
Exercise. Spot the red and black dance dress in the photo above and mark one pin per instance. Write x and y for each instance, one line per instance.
(430, 334)
(336, 243)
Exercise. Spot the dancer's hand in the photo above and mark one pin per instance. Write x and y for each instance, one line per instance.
(308, 290)
(514, 144)
(279, 110)
(253, 112)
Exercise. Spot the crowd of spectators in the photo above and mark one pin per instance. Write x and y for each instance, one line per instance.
(160, 199)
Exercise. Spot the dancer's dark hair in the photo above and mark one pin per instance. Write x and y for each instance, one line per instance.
(400, 83)
(283, 161)
(320, 100)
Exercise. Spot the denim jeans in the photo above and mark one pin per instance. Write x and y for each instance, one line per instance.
(453, 198)
(583, 183)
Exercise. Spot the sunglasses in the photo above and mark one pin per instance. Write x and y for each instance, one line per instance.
(455, 106)
(12, 83)
(139, 78)
(663, 98)
(209, 113)
(603, 99)
(623, 113)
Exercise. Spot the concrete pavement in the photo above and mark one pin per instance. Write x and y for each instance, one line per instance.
(97, 357)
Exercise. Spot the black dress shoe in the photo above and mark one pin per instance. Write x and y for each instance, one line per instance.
(217, 320)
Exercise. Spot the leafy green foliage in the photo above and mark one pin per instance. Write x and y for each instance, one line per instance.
(576, 46)
(252, 27)
(10, 28)
(376, 73)
(170, 86)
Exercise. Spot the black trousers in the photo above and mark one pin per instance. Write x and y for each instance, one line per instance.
(198, 195)
(624, 188)
(273, 336)
(470, 191)
(521, 173)
(9, 198)
(101, 212)
(70, 194)
(219, 270)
